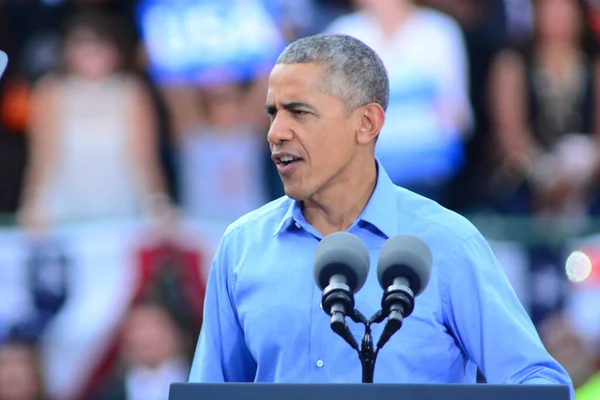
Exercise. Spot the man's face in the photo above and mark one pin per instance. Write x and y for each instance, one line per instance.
(312, 135)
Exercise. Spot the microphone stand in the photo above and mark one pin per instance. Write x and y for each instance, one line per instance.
(367, 353)
(338, 301)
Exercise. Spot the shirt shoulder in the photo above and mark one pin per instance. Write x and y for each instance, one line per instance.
(432, 220)
(262, 220)
(456, 245)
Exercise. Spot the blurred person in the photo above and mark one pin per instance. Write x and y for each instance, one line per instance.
(263, 320)
(152, 356)
(93, 151)
(222, 172)
(212, 74)
(430, 115)
(545, 110)
(20, 374)
(569, 350)
(137, 60)
(167, 274)
(172, 272)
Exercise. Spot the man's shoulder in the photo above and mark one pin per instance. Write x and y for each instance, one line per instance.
(264, 218)
(433, 218)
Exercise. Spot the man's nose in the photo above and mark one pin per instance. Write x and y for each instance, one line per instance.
(279, 131)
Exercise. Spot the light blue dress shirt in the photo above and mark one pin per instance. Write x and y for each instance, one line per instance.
(263, 321)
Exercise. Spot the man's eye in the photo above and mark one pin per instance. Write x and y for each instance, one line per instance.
(299, 112)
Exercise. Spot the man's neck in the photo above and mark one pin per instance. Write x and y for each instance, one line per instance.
(337, 207)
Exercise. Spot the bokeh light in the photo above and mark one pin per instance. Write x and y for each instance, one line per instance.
(578, 266)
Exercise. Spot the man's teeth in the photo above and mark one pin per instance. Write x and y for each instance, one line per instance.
(288, 158)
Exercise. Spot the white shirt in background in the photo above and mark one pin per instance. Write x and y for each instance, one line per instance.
(146, 384)
(429, 111)
(222, 175)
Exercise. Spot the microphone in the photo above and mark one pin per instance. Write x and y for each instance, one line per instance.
(340, 269)
(403, 272)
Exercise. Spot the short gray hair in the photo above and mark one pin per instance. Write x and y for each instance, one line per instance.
(354, 72)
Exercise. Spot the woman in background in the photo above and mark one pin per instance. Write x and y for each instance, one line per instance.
(93, 150)
(152, 355)
(429, 115)
(222, 172)
(546, 115)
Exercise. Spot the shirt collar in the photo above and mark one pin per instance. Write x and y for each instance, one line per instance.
(381, 211)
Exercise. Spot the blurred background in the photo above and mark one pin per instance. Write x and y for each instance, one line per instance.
(132, 132)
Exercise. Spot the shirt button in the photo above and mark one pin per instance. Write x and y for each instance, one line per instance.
(319, 363)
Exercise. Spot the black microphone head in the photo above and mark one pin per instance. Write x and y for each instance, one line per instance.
(345, 254)
(405, 256)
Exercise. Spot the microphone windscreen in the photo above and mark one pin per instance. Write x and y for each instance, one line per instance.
(405, 256)
(345, 254)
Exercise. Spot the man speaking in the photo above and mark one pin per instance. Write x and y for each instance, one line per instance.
(263, 319)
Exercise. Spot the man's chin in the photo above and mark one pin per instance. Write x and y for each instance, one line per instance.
(295, 193)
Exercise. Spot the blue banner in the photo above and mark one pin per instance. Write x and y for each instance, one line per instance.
(207, 42)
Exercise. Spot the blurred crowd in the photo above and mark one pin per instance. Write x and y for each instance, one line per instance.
(154, 110)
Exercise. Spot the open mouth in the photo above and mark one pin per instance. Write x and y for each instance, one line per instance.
(285, 163)
(287, 160)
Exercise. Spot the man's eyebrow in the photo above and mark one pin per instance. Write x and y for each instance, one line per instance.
(294, 105)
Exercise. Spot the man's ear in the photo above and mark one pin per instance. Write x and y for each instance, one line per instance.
(371, 121)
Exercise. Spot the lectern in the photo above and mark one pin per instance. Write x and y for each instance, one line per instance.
(284, 391)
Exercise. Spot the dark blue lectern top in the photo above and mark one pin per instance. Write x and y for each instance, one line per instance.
(266, 391)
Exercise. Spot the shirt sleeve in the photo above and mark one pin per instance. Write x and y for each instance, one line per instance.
(221, 353)
(489, 322)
